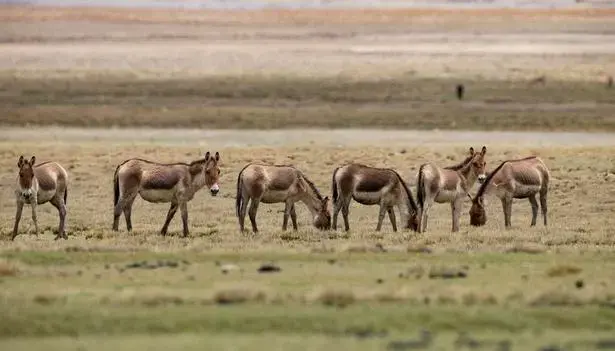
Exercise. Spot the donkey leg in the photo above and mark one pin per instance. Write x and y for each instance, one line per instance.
(34, 217)
(392, 218)
(117, 212)
(337, 206)
(252, 213)
(287, 206)
(17, 219)
(381, 213)
(456, 213)
(129, 199)
(293, 216)
(543, 205)
(534, 204)
(507, 205)
(183, 208)
(170, 215)
(425, 215)
(345, 210)
(242, 213)
(58, 203)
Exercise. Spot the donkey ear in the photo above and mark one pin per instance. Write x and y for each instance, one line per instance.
(20, 162)
(471, 150)
(325, 200)
(217, 156)
(484, 150)
(207, 156)
(32, 160)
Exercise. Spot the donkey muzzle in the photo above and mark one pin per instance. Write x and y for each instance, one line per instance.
(481, 178)
(214, 189)
(26, 194)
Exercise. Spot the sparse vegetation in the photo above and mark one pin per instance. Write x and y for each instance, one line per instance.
(328, 290)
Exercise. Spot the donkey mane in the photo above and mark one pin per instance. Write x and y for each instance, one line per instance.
(312, 186)
(202, 160)
(461, 164)
(483, 186)
(42, 164)
(408, 193)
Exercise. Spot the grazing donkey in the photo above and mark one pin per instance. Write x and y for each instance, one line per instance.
(45, 182)
(372, 186)
(274, 184)
(448, 185)
(156, 182)
(514, 179)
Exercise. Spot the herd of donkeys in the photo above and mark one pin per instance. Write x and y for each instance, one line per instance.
(176, 183)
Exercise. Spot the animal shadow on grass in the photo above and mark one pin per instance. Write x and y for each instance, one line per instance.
(424, 342)
(465, 341)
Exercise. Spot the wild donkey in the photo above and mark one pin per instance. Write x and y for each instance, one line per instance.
(372, 186)
(36, 185)
(514, 179)
(449, 184)
(156, 182)
(274, 184)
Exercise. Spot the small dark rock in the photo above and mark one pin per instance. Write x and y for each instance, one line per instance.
(79, 272)
(107, 266)
(268, 268)
(380, 281)
(579, 284)
(331, 261)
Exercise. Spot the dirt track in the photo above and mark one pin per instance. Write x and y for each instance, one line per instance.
(342, 137)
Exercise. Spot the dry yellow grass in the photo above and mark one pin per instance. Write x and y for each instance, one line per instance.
(580, 196)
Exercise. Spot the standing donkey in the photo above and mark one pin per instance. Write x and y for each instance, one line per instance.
(448, 185)
(514, 179)
(372, 186)
(36, 185)
(274, 184)
(158, 183)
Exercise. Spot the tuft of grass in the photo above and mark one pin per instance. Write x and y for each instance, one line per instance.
(336, 297)
(563, 270)
(238, 295)
(8, 269)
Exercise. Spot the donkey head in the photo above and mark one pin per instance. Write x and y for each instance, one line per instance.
(26, 176)
(212, 172)
(322, 220)
(413, 221)
(478, 216)
(479, 165)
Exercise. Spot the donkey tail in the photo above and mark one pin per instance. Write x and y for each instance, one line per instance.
(334, 193)
(65, 195)
(116, 186)
(238, 197)
(420, 187)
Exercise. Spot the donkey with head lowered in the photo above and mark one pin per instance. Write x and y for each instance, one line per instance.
(514, 179)
(270, 184)
(38, 184)
(373, 186)
(162, 183)
(449, 184)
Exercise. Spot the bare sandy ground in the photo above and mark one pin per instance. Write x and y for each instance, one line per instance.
(341, 137)
(374, 55)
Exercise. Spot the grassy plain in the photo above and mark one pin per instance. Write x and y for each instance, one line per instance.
(360, 289)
